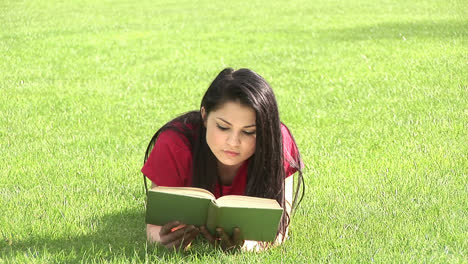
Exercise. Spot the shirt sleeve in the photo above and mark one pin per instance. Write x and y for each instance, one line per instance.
(170, 161)
(291, 152)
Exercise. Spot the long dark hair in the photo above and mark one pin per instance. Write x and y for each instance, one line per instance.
(265, 174)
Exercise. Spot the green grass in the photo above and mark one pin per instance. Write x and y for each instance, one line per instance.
(375, 93)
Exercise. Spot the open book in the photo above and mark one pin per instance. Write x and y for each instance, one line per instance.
(257, 218)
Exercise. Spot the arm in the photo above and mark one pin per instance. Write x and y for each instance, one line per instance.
(168, 165)
(288, 197)
(251, 245)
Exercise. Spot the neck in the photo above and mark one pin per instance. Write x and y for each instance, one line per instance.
(227, 173)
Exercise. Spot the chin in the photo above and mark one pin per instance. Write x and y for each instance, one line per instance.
(229, 162)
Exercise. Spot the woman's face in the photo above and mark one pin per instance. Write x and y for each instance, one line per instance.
(230, 133)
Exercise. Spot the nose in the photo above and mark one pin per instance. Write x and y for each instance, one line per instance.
(233, 139)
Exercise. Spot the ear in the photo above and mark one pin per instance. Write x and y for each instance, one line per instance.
(203, 115)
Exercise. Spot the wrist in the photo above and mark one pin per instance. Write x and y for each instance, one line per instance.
(152, 233)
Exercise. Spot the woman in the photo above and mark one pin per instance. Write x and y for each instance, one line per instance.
(235, 144)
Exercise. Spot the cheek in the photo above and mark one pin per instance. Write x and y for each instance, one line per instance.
(213, 138)
(250, 146)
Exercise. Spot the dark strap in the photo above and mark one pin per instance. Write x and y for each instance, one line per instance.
(147, 153)
(146, 184)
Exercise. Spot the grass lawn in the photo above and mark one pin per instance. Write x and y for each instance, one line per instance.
(375, 93)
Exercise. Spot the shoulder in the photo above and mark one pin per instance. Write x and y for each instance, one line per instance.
(177, 134)
(292, 160)
(181, 131)
(172, 138)
(287, 136)
(170, 160)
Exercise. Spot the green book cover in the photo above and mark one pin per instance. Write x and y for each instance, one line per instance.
(258, 218)
(166, 204)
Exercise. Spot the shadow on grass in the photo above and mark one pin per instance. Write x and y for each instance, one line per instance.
(119, 236)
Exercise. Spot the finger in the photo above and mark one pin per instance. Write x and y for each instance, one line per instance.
(190, 237)
(177, 238)
(176, 235)
(173, 245)
(178, 227)
(166, 229)
(225, 239)
(237, 237)
(208, 236)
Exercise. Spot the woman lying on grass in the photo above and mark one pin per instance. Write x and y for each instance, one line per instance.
(235, 145)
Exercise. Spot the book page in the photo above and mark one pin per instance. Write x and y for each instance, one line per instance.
(247, 202)
(186, 191)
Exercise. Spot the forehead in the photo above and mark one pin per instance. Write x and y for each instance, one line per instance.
(235, 113)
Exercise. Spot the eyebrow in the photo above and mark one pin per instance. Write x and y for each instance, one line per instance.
(231, 124)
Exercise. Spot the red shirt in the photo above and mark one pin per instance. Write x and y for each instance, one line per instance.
(170, 162)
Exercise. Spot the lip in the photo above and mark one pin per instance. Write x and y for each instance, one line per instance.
(231, 153)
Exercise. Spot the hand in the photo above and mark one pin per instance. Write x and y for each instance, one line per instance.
(175, 235)
(222, 239)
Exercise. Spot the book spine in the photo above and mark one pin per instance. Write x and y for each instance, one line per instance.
(212, 217)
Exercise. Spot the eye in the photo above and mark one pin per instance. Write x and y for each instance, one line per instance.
(221, 127)
(249, 132)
